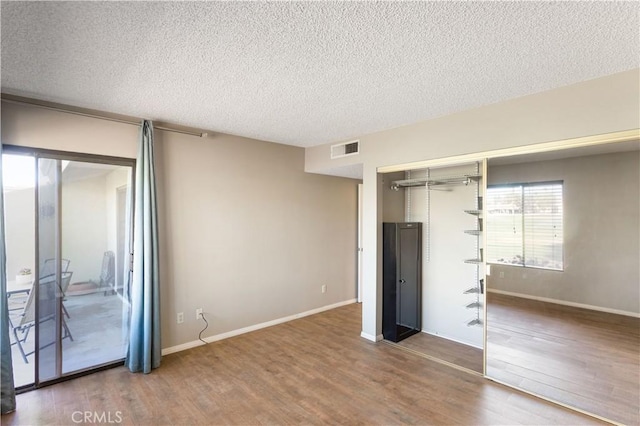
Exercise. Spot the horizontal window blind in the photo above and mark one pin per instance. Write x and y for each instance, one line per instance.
(525, 225)
(504, 224)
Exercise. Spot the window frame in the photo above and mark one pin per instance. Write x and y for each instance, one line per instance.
(523, 214)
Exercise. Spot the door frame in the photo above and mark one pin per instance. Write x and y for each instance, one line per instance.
(40, 153)
(359, 272)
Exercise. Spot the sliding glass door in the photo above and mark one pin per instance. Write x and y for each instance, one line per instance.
(48, 299)
(75, 215)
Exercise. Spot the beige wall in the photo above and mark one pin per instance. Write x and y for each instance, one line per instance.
(601, 232)
(42, 128)
(245, 233)
(393, 201)
(604, 105)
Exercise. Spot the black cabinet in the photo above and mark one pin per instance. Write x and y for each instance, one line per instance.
(402, 280)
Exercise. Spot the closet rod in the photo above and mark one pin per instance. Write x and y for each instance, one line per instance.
(432, 182)
(118, 118)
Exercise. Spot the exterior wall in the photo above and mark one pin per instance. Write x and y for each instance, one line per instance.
(84, 227)
(19, 230)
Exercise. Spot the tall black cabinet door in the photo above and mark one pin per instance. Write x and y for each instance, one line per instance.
(409, 284)
(402, 280)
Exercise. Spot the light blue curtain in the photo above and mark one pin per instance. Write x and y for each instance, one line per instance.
(6, 364)
(144, 337)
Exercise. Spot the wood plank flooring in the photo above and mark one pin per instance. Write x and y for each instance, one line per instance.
(585, 358)
(314, 370)
(447, 350)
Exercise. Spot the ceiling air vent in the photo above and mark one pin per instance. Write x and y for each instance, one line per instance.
(345, 149)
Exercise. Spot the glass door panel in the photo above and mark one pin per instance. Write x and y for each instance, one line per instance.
(19, 180)
(68, 225)
(47, 310)
(94, 218)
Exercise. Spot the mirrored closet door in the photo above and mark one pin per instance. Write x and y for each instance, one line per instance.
(563, 297)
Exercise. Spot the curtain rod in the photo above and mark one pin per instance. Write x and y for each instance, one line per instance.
(118, 118)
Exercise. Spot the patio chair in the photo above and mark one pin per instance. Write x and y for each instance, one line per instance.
(108, 272)
(64, 285)
(27, 318)
(49, 267)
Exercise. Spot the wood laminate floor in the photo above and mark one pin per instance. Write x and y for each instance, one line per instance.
(447, 350)
(314, 370)
(584, 358)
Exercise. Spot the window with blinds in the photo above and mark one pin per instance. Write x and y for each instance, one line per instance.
(524, 225)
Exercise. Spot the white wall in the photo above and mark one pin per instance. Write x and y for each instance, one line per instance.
(604, 105)
(114, 180)
(245, 233)
(84, 227)
(601, 232)
(19, 231)
(445, 247)
(118, 178)
(88, 222)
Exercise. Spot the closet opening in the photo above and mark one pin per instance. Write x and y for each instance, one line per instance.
(445, 203)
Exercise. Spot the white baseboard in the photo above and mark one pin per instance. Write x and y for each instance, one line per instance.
(565, 303)
(371, 337)
(210, 339)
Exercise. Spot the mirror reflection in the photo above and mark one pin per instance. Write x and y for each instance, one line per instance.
(563, 296)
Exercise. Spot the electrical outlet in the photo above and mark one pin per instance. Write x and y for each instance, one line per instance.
(180, 317)
(501, 274)
(324, 288)
(198, 313)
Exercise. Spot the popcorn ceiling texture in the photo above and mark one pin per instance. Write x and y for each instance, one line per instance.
(307, 73)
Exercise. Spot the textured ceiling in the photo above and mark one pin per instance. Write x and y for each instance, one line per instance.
(307, 73)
